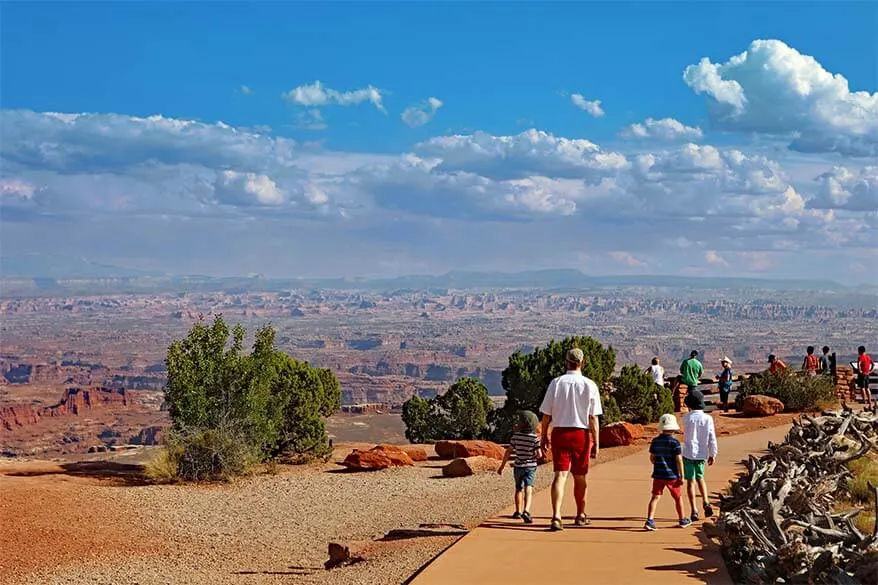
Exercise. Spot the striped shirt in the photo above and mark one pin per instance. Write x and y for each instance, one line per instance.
(525, 446)
(665, 448)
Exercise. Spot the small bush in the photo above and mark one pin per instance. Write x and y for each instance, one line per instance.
(205, 454)
(462, 412)
(639, 398)
(797, 392)
(612, 414)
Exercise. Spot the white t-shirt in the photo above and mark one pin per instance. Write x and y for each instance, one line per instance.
(658, 374)
(571, 399)
(699, 436)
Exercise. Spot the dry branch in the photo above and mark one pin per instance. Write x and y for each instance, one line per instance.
(777, 524)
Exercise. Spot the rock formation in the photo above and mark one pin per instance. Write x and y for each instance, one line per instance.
(455, 449)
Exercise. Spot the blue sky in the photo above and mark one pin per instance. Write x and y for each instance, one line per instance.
(529, 137)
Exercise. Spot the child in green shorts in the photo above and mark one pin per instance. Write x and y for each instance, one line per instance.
(699, 447)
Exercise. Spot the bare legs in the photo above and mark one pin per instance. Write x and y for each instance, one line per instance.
(519, 497)
(653, 504)
(690, 491)
(558, 485)
(528, 497)
(580, 488)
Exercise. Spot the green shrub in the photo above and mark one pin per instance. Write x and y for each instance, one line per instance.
(797, 391)
(460, 413)
(612, 412)
(639, 398)
(229, 409)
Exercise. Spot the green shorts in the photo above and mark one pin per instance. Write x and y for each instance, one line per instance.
(693, 469)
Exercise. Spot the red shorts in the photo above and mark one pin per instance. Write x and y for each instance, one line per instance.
(674, 486)
(571, 449)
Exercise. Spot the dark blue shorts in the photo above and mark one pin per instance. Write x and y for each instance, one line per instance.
(524, 477)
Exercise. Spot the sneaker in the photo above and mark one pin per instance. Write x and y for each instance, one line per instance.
(516, 516)
(694, 517)
(527, 518)
(685, 522)
(650, 525)
(708, 510)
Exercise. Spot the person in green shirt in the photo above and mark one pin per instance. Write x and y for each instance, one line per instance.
(691, 370)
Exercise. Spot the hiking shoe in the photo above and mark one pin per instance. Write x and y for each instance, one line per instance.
(527, 518)
(556, 525)
(708, 510)
(516, 515)
(582, 521)
(694, 517)
(650, 525)
(685, 522)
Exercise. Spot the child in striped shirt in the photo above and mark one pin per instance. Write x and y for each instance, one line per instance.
(525, 444)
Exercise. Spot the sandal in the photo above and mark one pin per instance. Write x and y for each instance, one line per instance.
(556, 525)
(708, 510)
(582, 520)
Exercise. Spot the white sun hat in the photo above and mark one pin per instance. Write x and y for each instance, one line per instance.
(668, 422)
(726, 359)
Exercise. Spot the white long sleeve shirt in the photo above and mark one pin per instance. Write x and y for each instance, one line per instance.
(699, 436)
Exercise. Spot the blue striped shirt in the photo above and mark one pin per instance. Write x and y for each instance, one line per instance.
(525, 446)
(665, 449)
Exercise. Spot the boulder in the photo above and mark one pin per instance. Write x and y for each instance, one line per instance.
(455, 449)
(464, 466)
(758, 405)
(416, 452)
(373, 460)
(620, 434)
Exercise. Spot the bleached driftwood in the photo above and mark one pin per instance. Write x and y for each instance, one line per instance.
(778, 523)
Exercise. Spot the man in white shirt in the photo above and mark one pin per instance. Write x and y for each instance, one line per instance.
(699, 446)
(572, 405)
(657, 372)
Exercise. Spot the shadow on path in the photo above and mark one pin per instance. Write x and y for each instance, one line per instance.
(124, 474)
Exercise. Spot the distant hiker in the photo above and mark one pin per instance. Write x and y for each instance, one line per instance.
(691, 370)
(525, 444)
(775, 364)
(810, 363)
(572, 405)
(657, 372)
(666, 456)
(724, 383)
(826, 362)
(699, 447)
(864, 368)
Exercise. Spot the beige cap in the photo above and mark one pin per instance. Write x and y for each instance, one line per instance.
(575, 356)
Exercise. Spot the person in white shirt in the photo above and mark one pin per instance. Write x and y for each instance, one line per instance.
(699, 447)
(572, 405)
(657, 372)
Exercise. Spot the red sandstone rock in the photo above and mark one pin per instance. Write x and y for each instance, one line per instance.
(455, 449)
(372, 460)
(620, 434)
(152, 435)
(758, 405)
(470, 465)
(416, 452)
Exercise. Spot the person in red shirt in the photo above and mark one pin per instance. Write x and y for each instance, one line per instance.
(810, 363)
(775, 365)
(864, 368)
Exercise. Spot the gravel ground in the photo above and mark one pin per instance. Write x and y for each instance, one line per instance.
(275, 529)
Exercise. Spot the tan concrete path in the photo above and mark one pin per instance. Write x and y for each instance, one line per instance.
(614, 549)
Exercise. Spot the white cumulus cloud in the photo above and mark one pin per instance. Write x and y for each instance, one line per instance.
(667, 129)
(626, 258)
(317, 94)
(591, 107)
(842, 188)
(773, 89)
(248, 189)
(714, 258)
(420, 114)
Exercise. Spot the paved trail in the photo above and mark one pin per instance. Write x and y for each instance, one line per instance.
(614, 549)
